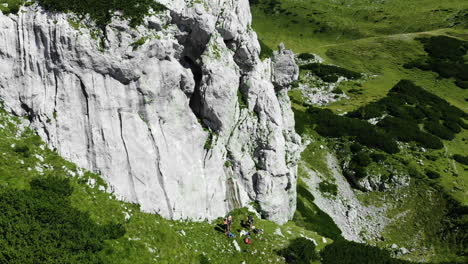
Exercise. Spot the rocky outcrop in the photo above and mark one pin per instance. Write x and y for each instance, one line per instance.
(356, 221)
(285, 69)
(179, 114)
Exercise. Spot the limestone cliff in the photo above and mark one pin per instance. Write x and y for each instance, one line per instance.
(179, 114)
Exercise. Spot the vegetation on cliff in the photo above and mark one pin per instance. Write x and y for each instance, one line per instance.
(100, 11)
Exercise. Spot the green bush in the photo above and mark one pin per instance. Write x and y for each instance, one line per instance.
(416, 113)
(462, 84)
(337, 91)
(41, 225)
(359, 172)
(355, 147)
(22, 149)
(241, 100)
(300, 251)
(432, 174)
(327, 187)
(443, 47)
(377, 157)
(369, 111)
(439, 130)
(306, 56)
(445, 57)
(408, 106)
(55, 185)
(362, 159)
(453, 126)
(332, 125)
(330, 73)
(463, 124)
(461, 159)
(101, 11)
(407, 131)
(432, 157)
(348, 252)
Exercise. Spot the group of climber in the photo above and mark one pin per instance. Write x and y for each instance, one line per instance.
(249, 223)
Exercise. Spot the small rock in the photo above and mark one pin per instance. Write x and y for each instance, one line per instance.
(127, 216)
(404, 251)
(39, 157)
(236, 246)
(278, 232)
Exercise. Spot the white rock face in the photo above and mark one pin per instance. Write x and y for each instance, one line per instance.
(156, 110)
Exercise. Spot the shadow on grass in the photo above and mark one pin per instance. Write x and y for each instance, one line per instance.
(300, 251)
(309, 216)
(220, 228)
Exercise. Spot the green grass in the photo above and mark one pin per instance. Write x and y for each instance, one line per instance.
(384, 58)
(304, 25)
(265, 51)
(372, 37)
(149, 238)
(314, 156)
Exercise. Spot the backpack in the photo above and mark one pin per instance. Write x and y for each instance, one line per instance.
(250, 219)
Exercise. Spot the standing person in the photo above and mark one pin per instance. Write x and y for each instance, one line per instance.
(228, 225)
(250, 222)
(225, 223)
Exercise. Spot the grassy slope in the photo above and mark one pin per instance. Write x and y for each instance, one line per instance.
(149, 238)
(304, 25)
(384, 57)
(356, 36)
(380, 49)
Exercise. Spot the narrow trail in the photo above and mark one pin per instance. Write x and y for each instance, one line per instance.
(441, 31)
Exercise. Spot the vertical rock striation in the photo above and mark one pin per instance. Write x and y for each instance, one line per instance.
(179, 114)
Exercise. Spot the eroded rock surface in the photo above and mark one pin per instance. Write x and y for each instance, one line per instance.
(179, 115)
(356, 221)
